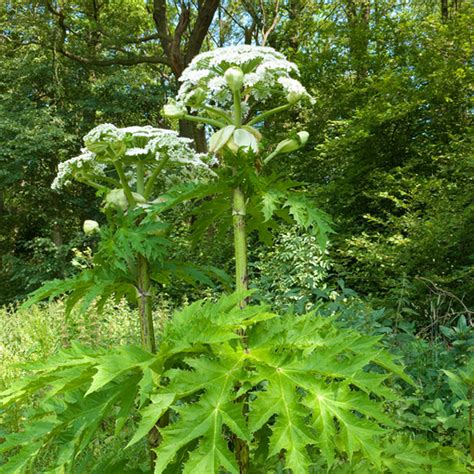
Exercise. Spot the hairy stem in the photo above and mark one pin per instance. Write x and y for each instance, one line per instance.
(145, 304)
(240, 241)
(241, 273)
(241, 284)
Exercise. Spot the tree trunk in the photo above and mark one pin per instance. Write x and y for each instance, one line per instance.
(444, 10)
(195, 132)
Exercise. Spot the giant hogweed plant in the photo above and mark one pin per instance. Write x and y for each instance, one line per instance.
(233, 387)
(124, 165)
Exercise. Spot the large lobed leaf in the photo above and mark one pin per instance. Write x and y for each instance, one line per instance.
(303, 377)
(299, 391)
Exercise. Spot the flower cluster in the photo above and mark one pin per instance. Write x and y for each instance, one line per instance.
(107, 143)
(265, 73)
(82, 165)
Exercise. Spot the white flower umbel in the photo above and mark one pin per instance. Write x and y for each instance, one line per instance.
(105, 132)
(111, 150)
(177, 150)
(267, 73)
(77, 167)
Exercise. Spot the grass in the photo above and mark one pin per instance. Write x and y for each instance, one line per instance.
(38, 332)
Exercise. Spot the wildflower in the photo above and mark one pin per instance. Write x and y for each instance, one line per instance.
(260, 71)
(107, 143)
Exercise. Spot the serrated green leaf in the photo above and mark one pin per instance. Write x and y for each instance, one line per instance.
(270, 201)
(150, 415)
(113, 365)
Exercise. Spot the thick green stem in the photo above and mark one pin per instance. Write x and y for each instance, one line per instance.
(241, 284)
(268, 113)
(141, 177)
(124, 183)
(241, 275)
(240, 241)
(199, 119)
(238, 217)
(237, 109)
(151, 180)
(145, 305)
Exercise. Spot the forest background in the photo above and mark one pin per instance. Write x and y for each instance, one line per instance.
(389, 159)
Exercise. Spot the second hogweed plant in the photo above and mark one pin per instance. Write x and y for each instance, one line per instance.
(125, 166)
(233, 387)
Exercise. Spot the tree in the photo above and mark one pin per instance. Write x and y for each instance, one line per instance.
(117, 33)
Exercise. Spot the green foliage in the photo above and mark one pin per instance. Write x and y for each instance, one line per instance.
(392, 138)
(315, 395)
(113, 271)
(67, 414)
(293, 272)
(38, 332)
(46, 103)
(273, 202)
(389, 158)
(431, 411)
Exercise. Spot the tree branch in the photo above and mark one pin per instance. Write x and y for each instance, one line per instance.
(94, 61)
(201, 27)
(161, 23)
(121, 60)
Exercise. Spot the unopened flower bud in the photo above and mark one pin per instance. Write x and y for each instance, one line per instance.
(90, 227)
(294, 97)
(245, 139)
(174, 111)
(292, 144)
(234, 78)
(117, 198)
(303, 137)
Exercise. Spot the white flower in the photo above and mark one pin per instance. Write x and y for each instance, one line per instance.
(105, 132)
(136, 151)
(217, 84)
(291, 85)
(149, 143)
(266, 73)
(177, 150)
(84, 163)
(144, 132)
